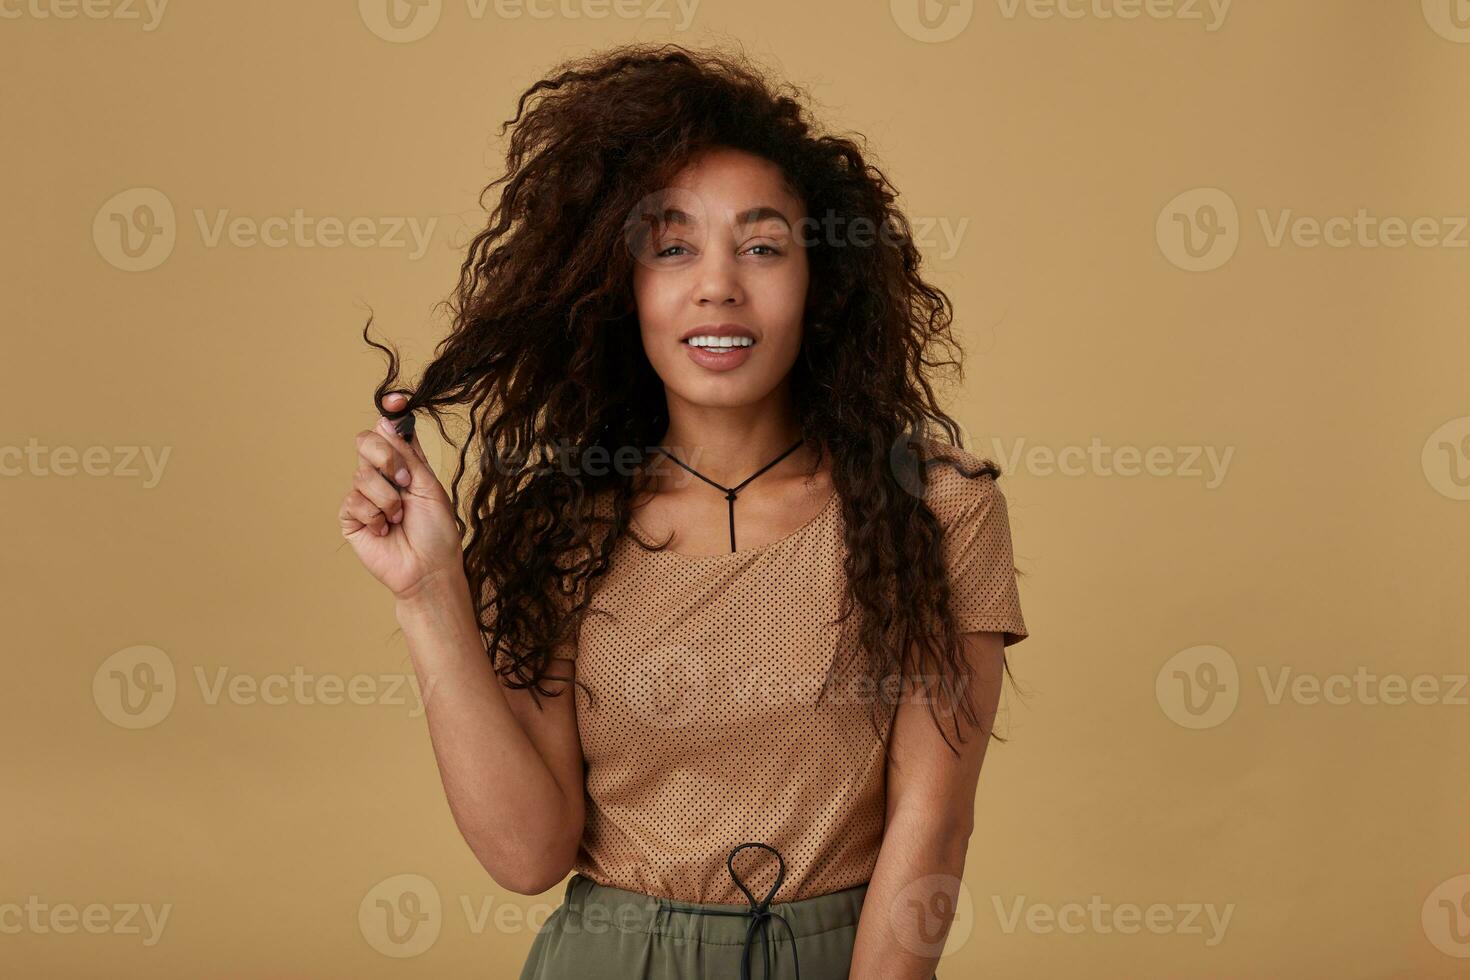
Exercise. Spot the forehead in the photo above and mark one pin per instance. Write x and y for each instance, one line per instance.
(730, 182)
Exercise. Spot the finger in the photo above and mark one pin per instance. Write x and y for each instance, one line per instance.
(374, 447)
(371, 483)
(394, 401)
(418, 448)
(416, 463)
(412, 441)
(359, 512)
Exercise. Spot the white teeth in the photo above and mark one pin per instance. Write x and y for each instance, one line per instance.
(720, 342)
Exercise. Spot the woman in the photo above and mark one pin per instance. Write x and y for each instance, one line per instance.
(696, 349)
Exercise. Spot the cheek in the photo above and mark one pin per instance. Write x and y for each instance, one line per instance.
(655, 306)
(790, 310)
(655, 299)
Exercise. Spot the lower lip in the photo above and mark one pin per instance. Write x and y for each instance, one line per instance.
(706, 358)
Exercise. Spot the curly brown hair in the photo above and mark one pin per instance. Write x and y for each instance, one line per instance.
(545, 350)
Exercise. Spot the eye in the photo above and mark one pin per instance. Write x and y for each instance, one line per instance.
(773, 249)
(664, 252)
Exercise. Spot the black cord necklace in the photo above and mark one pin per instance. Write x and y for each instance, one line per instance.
(730, 492)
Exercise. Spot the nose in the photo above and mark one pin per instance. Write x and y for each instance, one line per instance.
(718, 279)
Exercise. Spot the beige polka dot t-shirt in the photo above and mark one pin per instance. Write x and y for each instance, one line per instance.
(705, 728)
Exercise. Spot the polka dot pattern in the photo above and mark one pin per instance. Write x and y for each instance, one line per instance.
(705, 727)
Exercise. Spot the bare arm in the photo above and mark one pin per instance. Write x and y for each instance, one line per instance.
(912, 895)
(512, 773)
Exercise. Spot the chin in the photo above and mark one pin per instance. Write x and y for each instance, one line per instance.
(725, 390)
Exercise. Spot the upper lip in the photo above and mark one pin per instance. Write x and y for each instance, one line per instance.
(718, 330)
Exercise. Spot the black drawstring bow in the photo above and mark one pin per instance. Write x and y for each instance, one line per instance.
(760, 915)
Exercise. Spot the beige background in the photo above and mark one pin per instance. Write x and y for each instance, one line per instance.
(1332, 545)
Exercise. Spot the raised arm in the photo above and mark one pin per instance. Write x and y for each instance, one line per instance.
(512, 772)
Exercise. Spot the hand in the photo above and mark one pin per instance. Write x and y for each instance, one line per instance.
(398, 516)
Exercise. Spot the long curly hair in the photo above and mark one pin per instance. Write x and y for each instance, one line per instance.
(545, 350)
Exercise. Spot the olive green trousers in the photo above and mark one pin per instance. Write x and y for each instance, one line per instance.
(605, 933)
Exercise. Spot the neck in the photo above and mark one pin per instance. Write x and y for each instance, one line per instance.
(728, 444)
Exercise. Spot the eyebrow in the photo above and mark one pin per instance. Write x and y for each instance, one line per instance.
(750, 216)
(762, 212)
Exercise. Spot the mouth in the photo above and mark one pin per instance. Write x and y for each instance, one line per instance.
(718, 345)
(719, 348)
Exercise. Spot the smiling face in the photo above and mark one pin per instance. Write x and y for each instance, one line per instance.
(722, 267)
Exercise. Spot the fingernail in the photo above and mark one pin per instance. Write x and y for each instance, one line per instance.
(385, 426)
(396, 517)
(403, 477)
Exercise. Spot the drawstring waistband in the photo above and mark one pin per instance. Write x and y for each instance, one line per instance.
(760, 914)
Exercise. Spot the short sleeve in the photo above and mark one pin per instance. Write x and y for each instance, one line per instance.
(977, 547)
